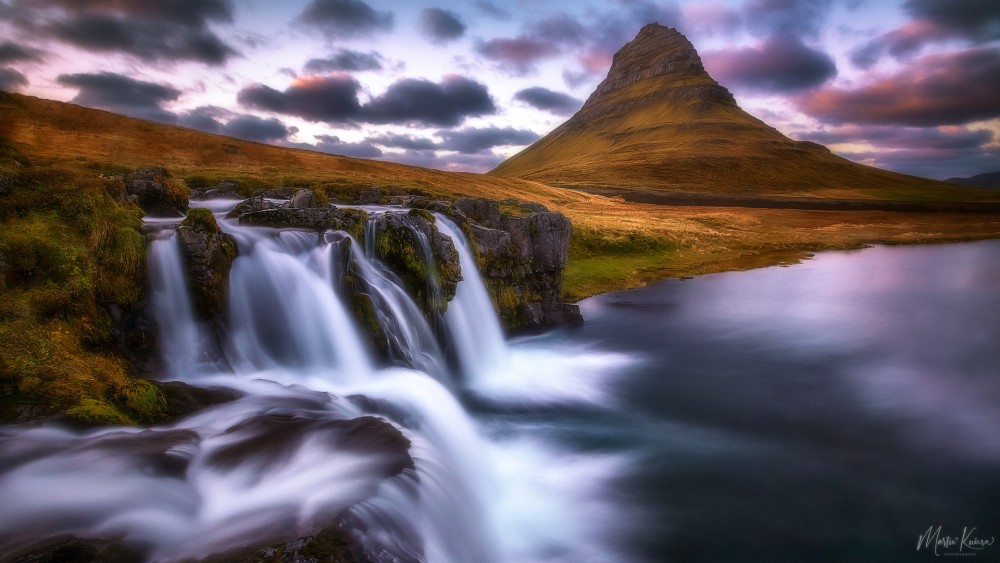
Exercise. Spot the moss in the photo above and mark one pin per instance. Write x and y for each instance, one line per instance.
(141, 399)
(201, 219)
(96, 412)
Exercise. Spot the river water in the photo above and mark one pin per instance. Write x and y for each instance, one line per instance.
(828, 411)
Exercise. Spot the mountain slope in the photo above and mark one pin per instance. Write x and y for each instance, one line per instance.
(659, 122)
(987, 180)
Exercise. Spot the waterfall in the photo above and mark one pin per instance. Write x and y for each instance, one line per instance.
(273, 463)
(472, 322)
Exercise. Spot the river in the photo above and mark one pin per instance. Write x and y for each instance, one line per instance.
(829, 411)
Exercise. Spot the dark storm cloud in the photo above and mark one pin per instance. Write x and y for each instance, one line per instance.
(423, 102)
(779, 64)
(941, 89)
(948, 139)
(331, 99)
(407, 142)
(931, 163)
(121, 94)
(492, 10)
(13, 53)
(559, 28)
(253, 128)
(975, 19)
(192, 13)
(477, 140)
(333, 145)
(334, 99)
(11, 80)
(441, 25)
(518, 54)
(345, 18)
(786, 17)
(547, 100)
(148, 41)
(346, 60)
(204, 118)
(175, 30)
(935, 21)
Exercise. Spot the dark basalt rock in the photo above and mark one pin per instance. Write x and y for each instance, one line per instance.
(521, 255)
(184, 400)
(208, 256)
(251, 205)
(69, 549)
(424, 258)
(157, 192)
(320, 218)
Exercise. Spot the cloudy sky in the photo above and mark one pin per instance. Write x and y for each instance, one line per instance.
(909, 85)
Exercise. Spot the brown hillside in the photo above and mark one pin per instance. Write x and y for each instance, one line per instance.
(659, 122)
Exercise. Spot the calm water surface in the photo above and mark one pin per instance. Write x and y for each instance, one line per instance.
(829, 411)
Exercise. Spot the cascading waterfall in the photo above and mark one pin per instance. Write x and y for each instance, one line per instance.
(472, 323)
(272, 463)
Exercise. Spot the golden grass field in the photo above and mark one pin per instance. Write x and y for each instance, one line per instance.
(70, 244)
(616, 245)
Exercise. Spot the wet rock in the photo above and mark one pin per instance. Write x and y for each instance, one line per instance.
(224, 189)
(157, 192)
(184, 400)
(68, 549)
(328, 217)
(521, 249)
(302, 199)
(208, 256)
(424, 258)
(251, 205)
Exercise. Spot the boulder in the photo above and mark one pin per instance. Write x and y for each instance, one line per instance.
(302, 199)
(208, 256)
(157, 192)
(424, 258)
(322, 218)
(251, 205)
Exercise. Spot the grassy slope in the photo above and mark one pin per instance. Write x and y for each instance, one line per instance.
(647, 136)
(70, 244)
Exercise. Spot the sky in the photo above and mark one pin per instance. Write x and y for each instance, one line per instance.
(907, 85)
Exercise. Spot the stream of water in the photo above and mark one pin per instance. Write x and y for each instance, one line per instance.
(830, 411)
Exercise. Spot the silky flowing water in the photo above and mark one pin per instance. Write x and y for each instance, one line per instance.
(832, 410)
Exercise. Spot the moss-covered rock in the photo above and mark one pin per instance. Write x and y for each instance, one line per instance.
(208, 256)
(157, 192)
(424, 258)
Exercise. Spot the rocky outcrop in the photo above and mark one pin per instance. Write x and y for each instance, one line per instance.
(208, 255)
(157, 192)
(320, 218)
(521, 251)
(424, 258)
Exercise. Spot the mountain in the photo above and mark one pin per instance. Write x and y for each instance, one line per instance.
(987, 180)
(659, 122)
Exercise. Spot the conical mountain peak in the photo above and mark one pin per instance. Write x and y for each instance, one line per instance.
(657, 51)
(659, 122)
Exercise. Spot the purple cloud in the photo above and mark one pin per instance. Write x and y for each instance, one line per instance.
(518, 54)
(941, 89)
(441, 26)
(547, 100)
(122, 94)
(779, 64)
(345, 18)
(346, 60)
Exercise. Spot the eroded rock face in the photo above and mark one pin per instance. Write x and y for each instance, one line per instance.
(521, 255)
(423, 257)
(328, 217)
(157, 192)
(208, 256)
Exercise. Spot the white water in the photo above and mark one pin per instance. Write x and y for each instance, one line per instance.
(270, 466)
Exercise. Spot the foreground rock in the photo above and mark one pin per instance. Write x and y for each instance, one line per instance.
(522, 250)
(157, 192)
(424, 258)
(208, 256)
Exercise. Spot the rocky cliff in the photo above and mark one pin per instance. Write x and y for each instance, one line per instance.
(660, 122)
